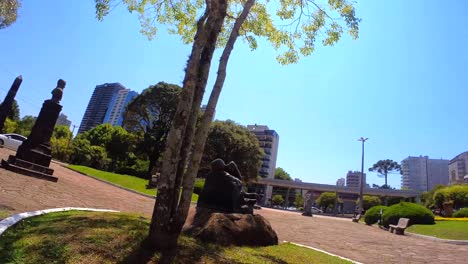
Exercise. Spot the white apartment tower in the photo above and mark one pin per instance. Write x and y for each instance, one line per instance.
(458, 168)
(268, 140)
(421, 173)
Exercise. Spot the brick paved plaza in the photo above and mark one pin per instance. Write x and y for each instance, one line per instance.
(339, 236)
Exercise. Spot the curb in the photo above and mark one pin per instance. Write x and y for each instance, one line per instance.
(447, 241)
(323, 251)
(10, 221)
(111, 183)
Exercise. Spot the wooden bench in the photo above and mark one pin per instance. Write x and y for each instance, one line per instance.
(356, 218)
(400, 228)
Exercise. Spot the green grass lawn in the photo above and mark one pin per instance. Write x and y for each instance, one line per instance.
(457, 230)
(96, 237)
(4, 214)
(127, 181)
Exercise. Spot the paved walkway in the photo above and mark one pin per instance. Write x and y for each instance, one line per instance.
(355, 241)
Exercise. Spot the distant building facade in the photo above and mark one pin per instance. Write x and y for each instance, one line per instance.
(62, 120)
(116, 109)
(106, 106)
(458, 168)
(341, 182)
(269, 141)
(422, 174)
(353, 179)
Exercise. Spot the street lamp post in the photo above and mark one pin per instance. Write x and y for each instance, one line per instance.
(361, 185)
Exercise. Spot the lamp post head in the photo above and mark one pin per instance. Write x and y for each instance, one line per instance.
(363, 139)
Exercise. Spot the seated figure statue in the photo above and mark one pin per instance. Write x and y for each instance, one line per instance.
(223, 190)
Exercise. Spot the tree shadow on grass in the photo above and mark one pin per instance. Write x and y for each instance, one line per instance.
(188, 251)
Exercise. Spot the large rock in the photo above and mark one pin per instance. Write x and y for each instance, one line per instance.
(230, 229)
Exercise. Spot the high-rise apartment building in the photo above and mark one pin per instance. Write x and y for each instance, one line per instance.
(421, 173)
(268, 140)
(114, 114)
(341, 182)
(106, 106)
(458, 168)
(62, 120)
(353, 179)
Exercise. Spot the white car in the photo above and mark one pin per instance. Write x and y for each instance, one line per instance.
(315, 210)
(11, 141)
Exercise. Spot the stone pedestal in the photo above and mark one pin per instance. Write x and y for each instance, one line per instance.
(230, 229)
(34, 155)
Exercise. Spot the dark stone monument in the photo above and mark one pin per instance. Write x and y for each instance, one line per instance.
(34, 155)
(5, 108)
(223, 190)
(224, 213)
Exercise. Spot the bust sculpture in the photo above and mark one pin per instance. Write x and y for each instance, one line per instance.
(57, 93)
(223, 190)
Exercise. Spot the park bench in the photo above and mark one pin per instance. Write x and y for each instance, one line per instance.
(357, 218)
(400, 227)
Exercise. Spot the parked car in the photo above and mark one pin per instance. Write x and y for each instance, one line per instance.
(11, 141)
(315, 210)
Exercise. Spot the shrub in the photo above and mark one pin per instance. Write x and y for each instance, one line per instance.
(461, 213)
(372, 215)
(199, 184)
(417, 214)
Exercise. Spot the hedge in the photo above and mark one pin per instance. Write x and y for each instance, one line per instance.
(461, 213)
(372, 215)
(417, 214)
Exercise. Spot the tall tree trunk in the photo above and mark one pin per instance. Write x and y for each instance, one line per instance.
(163, 236)
(203, 128)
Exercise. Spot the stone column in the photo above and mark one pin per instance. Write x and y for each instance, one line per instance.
(308, 204)
(5, 109)
(34, 155)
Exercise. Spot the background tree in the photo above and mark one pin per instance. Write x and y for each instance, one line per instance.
(230, 141)
(281, 174)
(8, 12)
(60, 143)
(277, 199)
(219, 25)
(369, 201)
(9, 126)
(299, 201)
(150, 115)
(384, 167)
(427, 198)
(327, 200)
(25, 125)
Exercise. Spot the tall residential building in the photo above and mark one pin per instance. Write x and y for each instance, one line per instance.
(106, 105)
(341, 182)
(268, 140)
(421, 173)
(353, 179)
(458, 168)
(114, 114)
(62, 120)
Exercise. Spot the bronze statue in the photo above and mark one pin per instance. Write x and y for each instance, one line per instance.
(223, 190)
(57, 93)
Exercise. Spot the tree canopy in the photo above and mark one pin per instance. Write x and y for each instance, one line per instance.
(327, 200)
(150, 114)
(233, 142)
(384, 167)
(292, 27)
(8, 12)
(281, 174)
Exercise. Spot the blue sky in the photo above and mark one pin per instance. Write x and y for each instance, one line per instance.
(402, 83)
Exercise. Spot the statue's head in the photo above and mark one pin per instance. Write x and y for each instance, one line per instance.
(217, 165)
(61, 83)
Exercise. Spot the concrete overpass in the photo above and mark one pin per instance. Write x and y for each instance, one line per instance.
(340, 189)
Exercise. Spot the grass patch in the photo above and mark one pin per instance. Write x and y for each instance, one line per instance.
(96, 237)
(456, 230)
(127, 181)
(4, 214)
